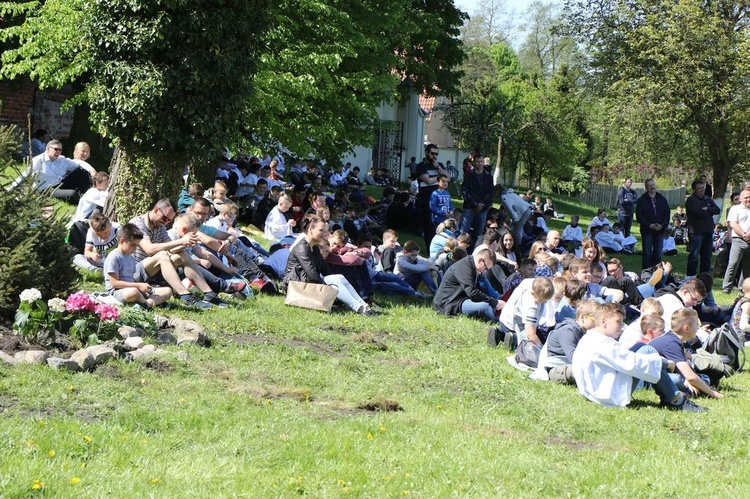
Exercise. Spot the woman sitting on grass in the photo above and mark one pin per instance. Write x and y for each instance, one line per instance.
(307, 264)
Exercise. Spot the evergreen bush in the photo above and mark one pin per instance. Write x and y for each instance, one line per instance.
(33, 251)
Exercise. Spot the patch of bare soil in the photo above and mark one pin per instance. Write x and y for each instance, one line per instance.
(262, 392)
(12, 343)
(381, 404)
(317, 347)
(158, 365)
(369, 339)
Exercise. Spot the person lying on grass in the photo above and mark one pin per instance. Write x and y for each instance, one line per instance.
(119, 268)
(607, 373)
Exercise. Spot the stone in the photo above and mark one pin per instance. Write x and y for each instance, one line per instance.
(67, 364)
(84, 360)
(134, 342)
(141, 352)
(31, 356)
(4, 357)
(192, 338)
(101, 353)
(183, 355)
(161, 321)
(140, 332)
(127, 331)
(165, 338)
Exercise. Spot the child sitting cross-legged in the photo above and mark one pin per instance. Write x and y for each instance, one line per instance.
(607, 373)
(556, 357)
(119, 268)
(413, 268)
(520, 316)
(101, 238)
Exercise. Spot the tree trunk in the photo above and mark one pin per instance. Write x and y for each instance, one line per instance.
(138, 179)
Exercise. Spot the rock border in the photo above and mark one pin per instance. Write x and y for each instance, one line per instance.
(133, 346)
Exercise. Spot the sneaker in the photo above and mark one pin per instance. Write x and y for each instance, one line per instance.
(687, 405)
(192, 301)
(656, 277)
(510, 341)
(494, 336)
(234, 287)
(214, 299)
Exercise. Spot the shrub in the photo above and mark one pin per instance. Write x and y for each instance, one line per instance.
(33, 251)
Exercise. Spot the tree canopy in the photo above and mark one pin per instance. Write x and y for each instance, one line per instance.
(683, 64)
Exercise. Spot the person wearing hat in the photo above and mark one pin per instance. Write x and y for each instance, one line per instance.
(477, 190)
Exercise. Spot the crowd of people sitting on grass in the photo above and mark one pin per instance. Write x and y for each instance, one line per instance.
(541, 292)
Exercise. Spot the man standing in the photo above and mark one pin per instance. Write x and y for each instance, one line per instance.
(477, 192)
(626, 198)
(412, 166)
(652, 212)
(427, 174)
(700, 220)
(738, 220)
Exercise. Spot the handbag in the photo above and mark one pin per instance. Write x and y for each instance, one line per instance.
(527, 353)
(310, 295)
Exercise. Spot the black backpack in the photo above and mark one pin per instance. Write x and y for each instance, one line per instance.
(726, 343)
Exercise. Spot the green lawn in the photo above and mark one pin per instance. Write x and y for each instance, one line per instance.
(284, 404)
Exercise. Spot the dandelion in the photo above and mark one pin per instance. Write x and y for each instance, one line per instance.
(51, 453)
(56, 305)
(87, 438)
(75, 480)
(71, 388)
(154, 480)
(369, 436)
(438, 406)
(38, 484)
(31, 443)
(30, 295)
(382, 427)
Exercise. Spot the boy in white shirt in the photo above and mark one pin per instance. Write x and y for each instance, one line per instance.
(520, 316)
(101, 238)
(572, 236)
(93, 198)
(607, 373)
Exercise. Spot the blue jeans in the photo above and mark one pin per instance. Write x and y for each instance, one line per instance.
(626, 221)
(425, 277)
(391, 284)
(652, 248)
(476, 220)
(665, 388)
(701, 245)
(478, 309)
(486, 287)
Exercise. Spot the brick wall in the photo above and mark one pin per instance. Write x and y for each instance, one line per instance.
(21, 97)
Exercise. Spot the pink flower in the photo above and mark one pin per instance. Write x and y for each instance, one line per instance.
(107, 312)
(79, 302)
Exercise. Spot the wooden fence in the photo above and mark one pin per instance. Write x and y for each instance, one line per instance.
(605, 196)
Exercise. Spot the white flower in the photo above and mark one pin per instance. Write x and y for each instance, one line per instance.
(56, 305)
(31, 295)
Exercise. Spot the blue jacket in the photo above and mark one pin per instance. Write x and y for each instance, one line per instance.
(440, 206)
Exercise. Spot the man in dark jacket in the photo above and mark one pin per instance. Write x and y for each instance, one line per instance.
(459, 291)
(652, 212)
(700, 220)
(477, 192)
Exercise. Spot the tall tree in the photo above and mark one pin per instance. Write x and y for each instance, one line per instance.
(171, 81)
(686, 60)
(164, 79)
(327, 66)
(546, 50)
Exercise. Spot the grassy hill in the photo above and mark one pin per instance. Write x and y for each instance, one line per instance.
(291, 402)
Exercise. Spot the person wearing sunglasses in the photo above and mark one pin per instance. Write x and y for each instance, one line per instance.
(427, 174)
(54, 171)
